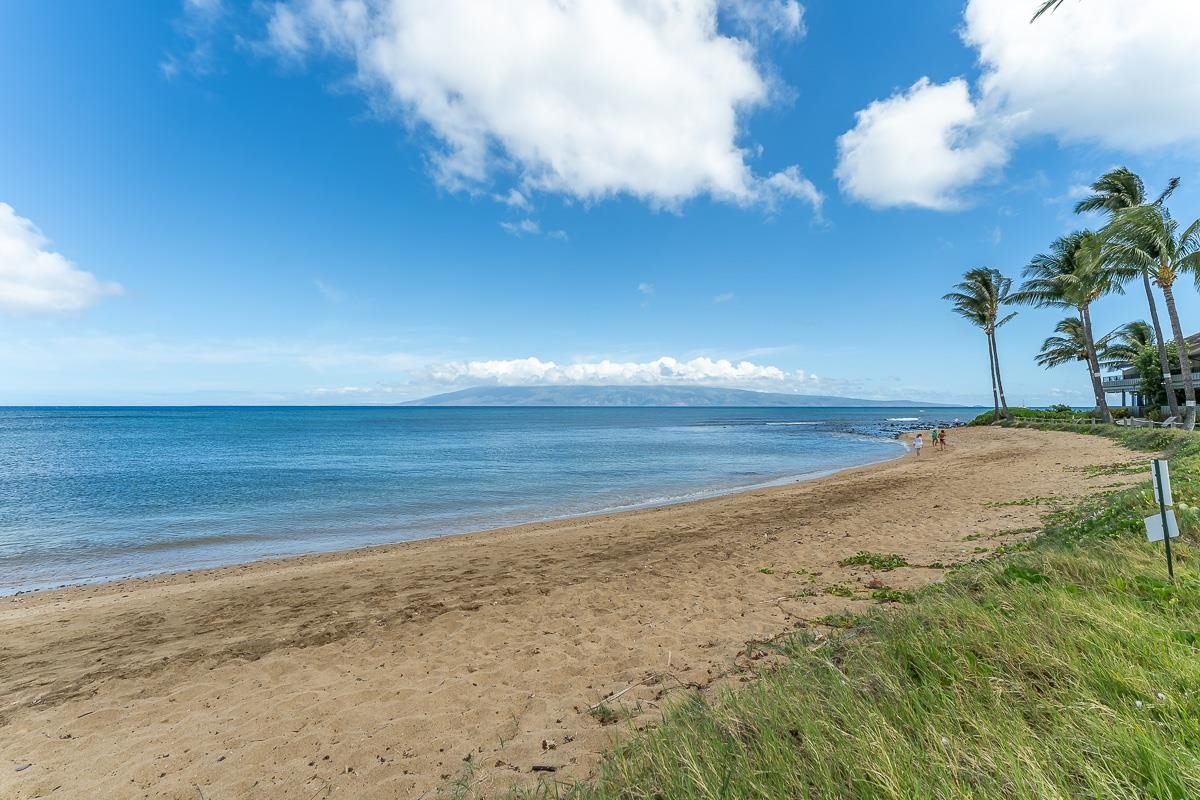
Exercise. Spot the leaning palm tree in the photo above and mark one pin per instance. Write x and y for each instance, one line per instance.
(1072, 275)
(979, 298)
(1125, 344)
(1115, 191)
(1148, 239)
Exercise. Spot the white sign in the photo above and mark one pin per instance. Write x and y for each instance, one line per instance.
(1161, 466)
(1154, 530)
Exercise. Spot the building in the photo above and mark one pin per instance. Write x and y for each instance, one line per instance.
(1128, 384)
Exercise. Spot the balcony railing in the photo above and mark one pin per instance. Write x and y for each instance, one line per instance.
(1135, 381)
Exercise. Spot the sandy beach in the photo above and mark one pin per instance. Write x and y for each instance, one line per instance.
(395, 671)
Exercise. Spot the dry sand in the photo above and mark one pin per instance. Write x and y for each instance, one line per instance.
(392, 672)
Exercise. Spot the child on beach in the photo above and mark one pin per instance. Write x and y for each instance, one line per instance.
(933, 437)
(941, 440)
(918, 443)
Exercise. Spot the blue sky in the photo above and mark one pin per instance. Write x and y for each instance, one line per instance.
(330, 201)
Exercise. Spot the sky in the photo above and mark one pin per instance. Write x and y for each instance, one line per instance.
(370, 201)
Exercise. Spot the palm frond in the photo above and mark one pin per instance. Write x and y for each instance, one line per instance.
(1047, 5)
(1069, 346)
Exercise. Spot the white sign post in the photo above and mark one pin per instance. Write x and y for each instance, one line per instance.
(1162, 526)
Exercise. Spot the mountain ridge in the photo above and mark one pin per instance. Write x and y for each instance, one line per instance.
(649, 396)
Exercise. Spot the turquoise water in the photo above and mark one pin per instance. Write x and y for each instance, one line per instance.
(98, 493)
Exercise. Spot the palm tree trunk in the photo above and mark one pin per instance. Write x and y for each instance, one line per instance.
(1089, 343)
(999, 381)
(1185, 363)
(1163, 361)
(992, 373)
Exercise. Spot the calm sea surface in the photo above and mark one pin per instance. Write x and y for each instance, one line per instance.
(88, 494)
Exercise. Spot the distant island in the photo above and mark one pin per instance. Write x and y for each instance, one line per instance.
(648, 396)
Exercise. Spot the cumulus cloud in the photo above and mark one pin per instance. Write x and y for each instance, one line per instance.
(1105, 71)
(664, 370)
(587, 99)
(917, 148)
(646, 288)
(35, 280)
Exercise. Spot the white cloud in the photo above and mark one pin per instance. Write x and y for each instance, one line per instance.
(197, 25)
(724, 297)
(763, 17)
(522, 228)
(34, 280)
(917, 148)
(588, 99)
(1106, 71)
(664, 370)
(514, 199)
(646, 288)
(1111, 71)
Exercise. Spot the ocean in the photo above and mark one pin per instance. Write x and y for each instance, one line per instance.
(91, 494)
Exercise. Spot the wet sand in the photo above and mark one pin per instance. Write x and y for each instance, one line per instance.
(396, 671)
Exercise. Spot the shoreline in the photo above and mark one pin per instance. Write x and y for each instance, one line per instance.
(395, 670)
(694, 497)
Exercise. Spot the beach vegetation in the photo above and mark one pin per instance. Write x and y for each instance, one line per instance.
(1019, 412)
(604, 713)
(879, 561)
(889, 595)
(842, 619)
(840, 590)
(1036, 500)
(1069, 669)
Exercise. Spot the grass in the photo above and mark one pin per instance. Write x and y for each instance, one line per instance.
(879, 561)
(604, 713)
(1036, 500)
(887, 595)
(1068, 669)
(840, 590)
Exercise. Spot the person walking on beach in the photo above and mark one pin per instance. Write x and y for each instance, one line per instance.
(941, 440)
(933, 438)
(918, 443)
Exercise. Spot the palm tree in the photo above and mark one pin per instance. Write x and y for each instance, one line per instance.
(1073, 276)
(1125, 344)
(1069, 346)
(979, 298)
(1147, 238)
(1117, 190)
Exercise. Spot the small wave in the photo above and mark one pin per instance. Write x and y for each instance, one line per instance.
(903, 419)
(793, 423)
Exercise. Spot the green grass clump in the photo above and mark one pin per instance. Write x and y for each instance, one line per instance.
(840, 590)
(879, 561)
(887, 595)
(1067, 670)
